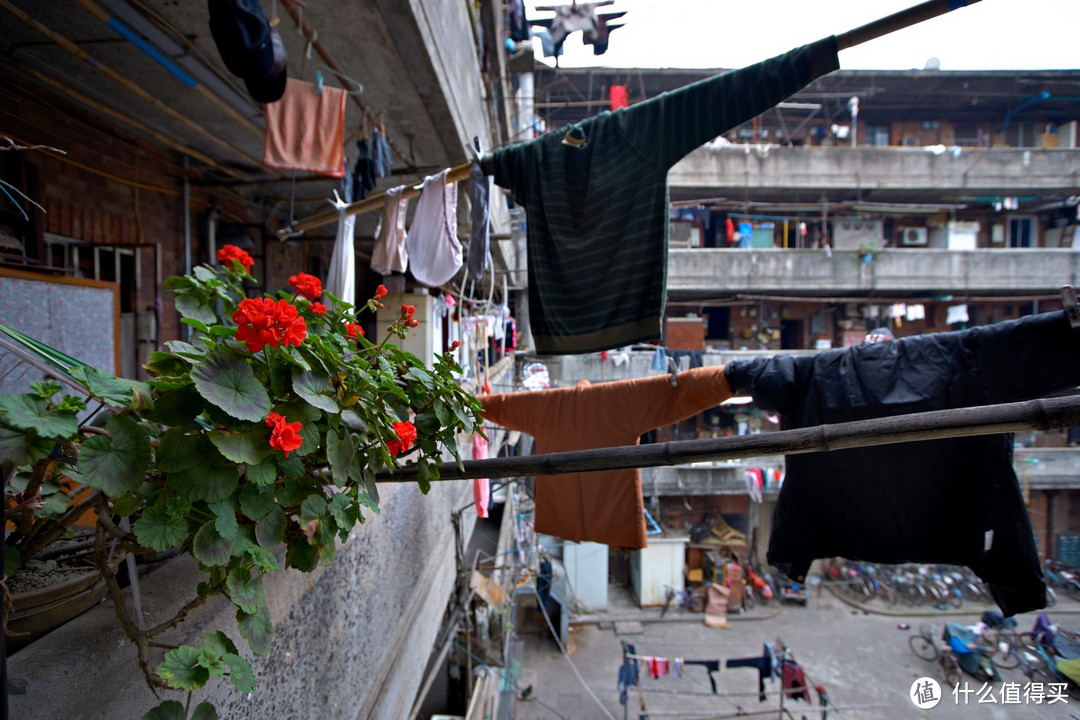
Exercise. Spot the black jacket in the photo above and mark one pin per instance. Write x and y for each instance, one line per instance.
(938, 501)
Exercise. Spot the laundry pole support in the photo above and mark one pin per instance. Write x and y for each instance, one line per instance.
(987, 420)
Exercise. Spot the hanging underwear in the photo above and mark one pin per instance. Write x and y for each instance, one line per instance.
(434, 250)
(390, 255)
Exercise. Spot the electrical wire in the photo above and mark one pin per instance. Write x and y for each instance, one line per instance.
(566, 655)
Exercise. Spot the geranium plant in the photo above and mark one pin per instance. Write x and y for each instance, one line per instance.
(265, 427)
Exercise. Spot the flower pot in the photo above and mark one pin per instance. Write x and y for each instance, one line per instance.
(37, 612)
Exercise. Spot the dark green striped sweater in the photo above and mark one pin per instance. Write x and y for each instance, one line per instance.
(598, 215)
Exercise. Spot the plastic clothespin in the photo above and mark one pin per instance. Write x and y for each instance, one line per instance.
(319, 81)
(337, 202)
(673, 368)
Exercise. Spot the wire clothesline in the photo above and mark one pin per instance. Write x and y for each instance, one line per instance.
(864, 33)
(1044, 414)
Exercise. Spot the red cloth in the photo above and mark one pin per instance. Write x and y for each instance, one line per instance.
(305, 130)
(481, 486)
(603, 506)
(620, 98)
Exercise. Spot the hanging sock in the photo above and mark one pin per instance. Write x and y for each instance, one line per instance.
(434, 250)
(390, 254)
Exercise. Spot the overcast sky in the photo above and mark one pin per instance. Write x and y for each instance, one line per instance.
(989, 35)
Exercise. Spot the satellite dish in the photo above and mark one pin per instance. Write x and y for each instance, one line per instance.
(932, 64)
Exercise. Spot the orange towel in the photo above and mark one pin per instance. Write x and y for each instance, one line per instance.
(305, 130)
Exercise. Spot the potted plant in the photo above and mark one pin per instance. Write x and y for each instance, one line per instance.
(867, 252)
(265, 428)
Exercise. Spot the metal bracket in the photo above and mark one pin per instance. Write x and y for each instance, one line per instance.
(1072, 311)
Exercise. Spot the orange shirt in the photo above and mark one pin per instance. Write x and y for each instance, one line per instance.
(604, 506)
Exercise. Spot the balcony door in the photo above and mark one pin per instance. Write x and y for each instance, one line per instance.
(1022, 231)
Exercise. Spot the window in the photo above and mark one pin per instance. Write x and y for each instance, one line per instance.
(877, 135)
(966, 134)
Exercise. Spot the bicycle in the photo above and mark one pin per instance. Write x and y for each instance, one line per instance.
(692, 600)
(926, 646)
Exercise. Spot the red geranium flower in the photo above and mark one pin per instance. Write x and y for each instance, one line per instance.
(307, 285)
(354, 330)
(380, 292)
(284, 435)
(318, 308)
(261, 322)
(406, 436)
(227, 253)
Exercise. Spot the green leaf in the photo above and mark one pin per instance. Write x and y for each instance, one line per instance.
(420, 375)
(182, 670)
(298, 410)
(204, 273)
(262, 475)
(245, 591)
(426, 424)
(116, 464)
(210, 548)
(225, 524)
(160, 363)
(159, 529)
(27, 412)
(211, 482)
(243, 447)
(45, 389)
(423, 477)
(212, 662)
(340, 450)
(271, 529)
(179, 451)
(220, 643)
(345, 513)
(227, 381)
(290, 467)
(313, 508)
(327, 551)
(240, 673)
(189, 307)
(315, 389)
(257, 629)
(117, 392)
(302, 556)
(204, 711)
(263, 559)
(23, 446)
(180, 282)
(126, 505)
(311, 439)
(168, 710)
(197, 324)
(292, 355)
(222, 331)
(12, 560)
(176, 407)
(353, 420)
(256, 502)
(185, 350)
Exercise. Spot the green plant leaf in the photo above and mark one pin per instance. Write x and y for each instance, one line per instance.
(271, 529)
(312, 439)
(210, 548)
(176, 407)
(45, 389)
(212, 662)
(23, 446)
(158, 529)
(240, 673)
(211, 482)
(189, 307)
(263, 559)
(126, 505)
(262, 475)
(182, 670)
(340, 450)
(225, 524)
(204, 273)
(226, 380)
(117, 392)
(245, 591)
(168, 710)
(179, 451)
(313, 508)
(290, 467)
(185, 350)
(243, 447)
(353, 420)
(220, 643)
(256, 501)
(302, 556)
(204, 711)
(315, 389)
(343, 510)
(12, 560)
(197, 324)
(116, 464)
(27, 412)
(257, 629)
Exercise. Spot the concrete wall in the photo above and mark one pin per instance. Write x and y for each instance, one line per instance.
(975, 170)
(1041, 270)
(350, 641)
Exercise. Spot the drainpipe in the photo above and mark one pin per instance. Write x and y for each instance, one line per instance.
(211, 232)
(187, 227)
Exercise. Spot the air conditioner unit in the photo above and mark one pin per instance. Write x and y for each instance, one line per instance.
(912, 236)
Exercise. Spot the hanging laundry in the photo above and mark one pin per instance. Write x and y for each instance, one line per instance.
(305, 130)
(619, 97)
(597, 215)
(381, 159)
(434, 250)
(604, 506)
(341, 277)
(602, 37)
(363, 171)
(729, 231)
(763, 664)
(481, 486)
(915, 312)
(390, 254)
(897, 310)
(754, 483)
(954, 500)
(479, 220)
(711, 667)
(956, 314)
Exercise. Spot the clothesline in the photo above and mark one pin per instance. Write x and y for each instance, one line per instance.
(1042, 414)
(883, 26)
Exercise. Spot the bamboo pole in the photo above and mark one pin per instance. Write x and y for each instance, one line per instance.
(124, 82)
(101, 14)
(897, 21)
(1010, 417)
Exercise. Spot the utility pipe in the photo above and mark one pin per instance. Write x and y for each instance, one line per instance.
(124, 82)
(987, 420)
